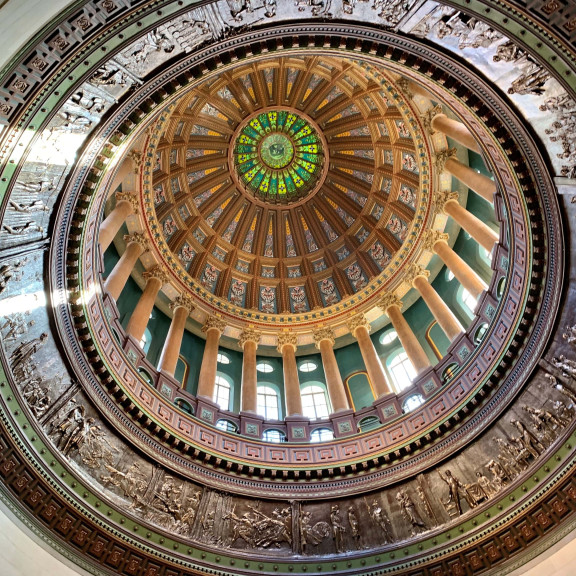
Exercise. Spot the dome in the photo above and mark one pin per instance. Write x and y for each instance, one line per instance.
(284, 286)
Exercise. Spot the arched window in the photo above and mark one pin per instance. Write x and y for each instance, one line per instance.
(223, 358)
(321, 435)
(401, 370)
(274, 436)
(146, 340)
(264, 367)
(308, 366)
(468, 300)
(146, 375)
(368, 423)
(222, 392)
(412, 402)
(388, 337)
(314, 402)
(227, 426)
(184, 405)
(268, 403)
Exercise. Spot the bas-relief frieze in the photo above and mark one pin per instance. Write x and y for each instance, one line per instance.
(152, 494)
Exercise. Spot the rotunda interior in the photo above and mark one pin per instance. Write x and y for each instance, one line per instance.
(286, 286)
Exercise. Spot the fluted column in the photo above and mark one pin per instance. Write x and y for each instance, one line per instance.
(136, 244)
(214, 328)
(248, 341)
(435, 120)
(448, 202)
(182, 307)
(482, 185)
(360, 328)
(391, 305)
(436, 242)
(324, 339)
(126, 204)
(287, 347)
(418, 278)
(155, 278)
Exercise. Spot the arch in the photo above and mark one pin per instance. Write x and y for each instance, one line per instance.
(146, 340)
(412, 402)
(227, 425)
(274, 435)
(315, 403)
(359, 390)
(368, 423)
(184, 405)
(321, 435)
(182, 370)
(146, 375)
(268, 402)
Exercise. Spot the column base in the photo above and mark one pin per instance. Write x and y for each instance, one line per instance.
(251, 424)
(387, 407)
(297, 428)
(343, 423)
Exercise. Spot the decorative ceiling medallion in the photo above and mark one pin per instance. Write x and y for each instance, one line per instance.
(278, 156)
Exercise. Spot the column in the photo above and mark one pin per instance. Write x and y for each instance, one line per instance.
(436, 242)
(483, 234)
(214, 328)
(128, 170)
(418, 278)
(360, 328)
(136, 244)
(287, 347)
(435, 120)
(181, 307)
(126, 204)
(324, 339)
(155, 278)
(248, 341)
(482, 185)
(391, 305)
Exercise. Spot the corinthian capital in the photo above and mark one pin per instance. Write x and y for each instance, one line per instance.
(137, 238)
(389, 300)
(137, 158)
(442, 157)
(287, 339)
(404, 87)
(356, 322)
(249, 335)
(433, 236)
(428, 116)
(325, 333)
(182, 301)
(157, 272)
(414, 271)
(214, 322)
(129, 197)
(440, 199)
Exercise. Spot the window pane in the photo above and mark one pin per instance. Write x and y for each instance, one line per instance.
(267, 404)
(314, 402)
(401, 370)
(321, 435)
(222, 393)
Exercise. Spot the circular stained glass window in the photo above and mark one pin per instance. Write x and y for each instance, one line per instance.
(278, 156)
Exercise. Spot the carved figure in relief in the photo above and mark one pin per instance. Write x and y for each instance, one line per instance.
(456, 491)
(319, 7)
(531, 81)
(311, 533)
(22, 229)
(261, 531)
(40, 187)
(545, 419)
(392, 11)
(21, 355)
(527, 439)
(510, 457)
(36, 396)
(133, 482)
(189, 516)
(409, 512)
(113, 73)
(78, 437)
(486, 485)
(7, 272)
(570, 335)
(96, 448)
(354, 526)
(499, 475)
(338, 529)
(510, 52)
(62, 431)
(567, 366)
(425, 502)
(380, 518)
(36, 206)
(470, 32)
(155, 41)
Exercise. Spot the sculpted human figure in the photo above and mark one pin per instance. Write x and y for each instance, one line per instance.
(68, 425)
(337, 528)
(380, 519)
(456, 490)
(354, 526)
(22, 354)
(409, 512)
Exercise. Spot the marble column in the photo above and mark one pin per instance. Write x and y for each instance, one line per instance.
(126, 204)
(360, 328)
(437, 242)
(324, 339)
(417, 277)
(391, 305)
(482, 185)
(214, 328)
(448, 202)
(155, 278)
(136, 245)
(181, 307)
(435, 120)
(248, 341)
(287, 342)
